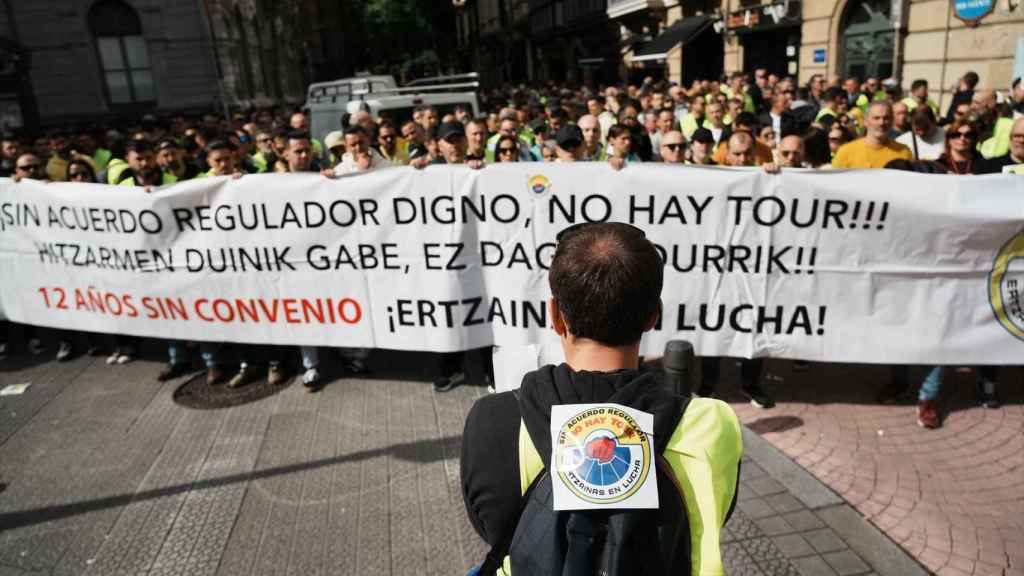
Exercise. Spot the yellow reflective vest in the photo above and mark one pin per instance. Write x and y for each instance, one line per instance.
(999, 143)
(704, 453)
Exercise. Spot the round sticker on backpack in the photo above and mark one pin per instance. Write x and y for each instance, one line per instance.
(602, 457)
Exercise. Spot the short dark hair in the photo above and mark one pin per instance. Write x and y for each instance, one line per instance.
(606, 279)
(137, 146)
(833, 94)
(971, 79)
(355, 129)
(220, 144)
(919, 83)
(617, 130)
(297, 135)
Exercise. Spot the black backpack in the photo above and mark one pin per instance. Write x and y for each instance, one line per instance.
(596, 542)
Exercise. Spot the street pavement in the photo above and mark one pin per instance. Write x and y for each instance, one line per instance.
(102, 473)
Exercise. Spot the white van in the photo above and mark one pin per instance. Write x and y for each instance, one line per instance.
(328, 102)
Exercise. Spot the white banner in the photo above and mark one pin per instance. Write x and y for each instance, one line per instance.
(865, 266)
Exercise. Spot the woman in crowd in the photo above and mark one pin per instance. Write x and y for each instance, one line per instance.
(837, 136)
(961, 155)
(507, 149)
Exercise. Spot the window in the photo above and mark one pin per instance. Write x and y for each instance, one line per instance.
(124, 59)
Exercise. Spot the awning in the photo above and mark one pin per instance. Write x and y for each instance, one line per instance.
(679, 33)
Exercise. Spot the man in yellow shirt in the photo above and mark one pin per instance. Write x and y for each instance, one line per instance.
(876, 148)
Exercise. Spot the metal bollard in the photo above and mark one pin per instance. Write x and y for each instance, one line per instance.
(678, 364)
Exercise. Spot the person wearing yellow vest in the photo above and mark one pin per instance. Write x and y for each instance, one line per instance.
(507, 442)
(876, 148)
(300, 123)
(265, 156)
(86, 144)
(994, 131)
(392, 147)
(63, 152)
(832, 104)
(919, 97)
(142, 169)
(870, 93)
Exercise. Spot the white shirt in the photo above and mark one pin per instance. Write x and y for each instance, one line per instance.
(348, 163)
(928, 148)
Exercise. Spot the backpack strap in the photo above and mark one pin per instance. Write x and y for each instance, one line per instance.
(495, 559)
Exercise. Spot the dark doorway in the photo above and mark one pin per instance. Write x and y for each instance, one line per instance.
(867, 39)
(703, 57)
(777, 51)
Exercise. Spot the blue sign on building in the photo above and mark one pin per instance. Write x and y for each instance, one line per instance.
(970, 11)
(819, 55)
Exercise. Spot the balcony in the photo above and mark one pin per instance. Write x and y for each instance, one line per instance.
(620, 8)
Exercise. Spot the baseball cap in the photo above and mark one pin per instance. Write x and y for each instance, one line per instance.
(569, 136)
(334, 138)
(444, 131)
(703, 135)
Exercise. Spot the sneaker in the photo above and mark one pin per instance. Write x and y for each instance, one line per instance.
(277, 375)
(987, 394)
(927, 415)
(446, 383)
(489, 383)
(35, 346)
(356, 367)
(757, 395)
(215, 376)
(244, 376)
(64, 352)
(112, 359)
(311, 378)
(125, 357)
(94, 350)
(173, 371)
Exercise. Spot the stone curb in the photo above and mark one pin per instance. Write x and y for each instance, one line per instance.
(864, 538)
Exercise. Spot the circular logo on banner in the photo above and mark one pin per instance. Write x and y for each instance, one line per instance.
(1006, 286)
(539, 184)
(603, 456)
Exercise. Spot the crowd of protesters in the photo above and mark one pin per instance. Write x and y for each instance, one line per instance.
(762, 120)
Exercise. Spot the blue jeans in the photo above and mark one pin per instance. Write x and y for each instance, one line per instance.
(931, 386)
(177, 353)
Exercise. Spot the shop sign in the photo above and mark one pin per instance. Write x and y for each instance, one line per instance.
(819, 56)
(972, 11)
(764, 17)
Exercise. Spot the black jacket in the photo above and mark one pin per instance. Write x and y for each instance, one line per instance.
(490, 441)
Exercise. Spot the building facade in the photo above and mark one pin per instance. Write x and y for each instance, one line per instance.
(599, 41)
(82, 60)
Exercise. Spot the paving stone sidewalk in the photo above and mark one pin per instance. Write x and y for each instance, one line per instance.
(953, 498)
(101, 473)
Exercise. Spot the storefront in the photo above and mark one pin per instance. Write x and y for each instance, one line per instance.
(685, 51)
(770, 36)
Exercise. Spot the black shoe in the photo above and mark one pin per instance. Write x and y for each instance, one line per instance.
(757, 395)
(173, 371)
(801, 366)
(987, 394)
(356, 367)
(446, 383)
(891, 392)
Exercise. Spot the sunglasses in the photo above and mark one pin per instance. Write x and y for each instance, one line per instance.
(675, 147)
(78, 175)
(262, 140)
(29, 167)
(576, 228)
(504, 150)
(963, 136)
